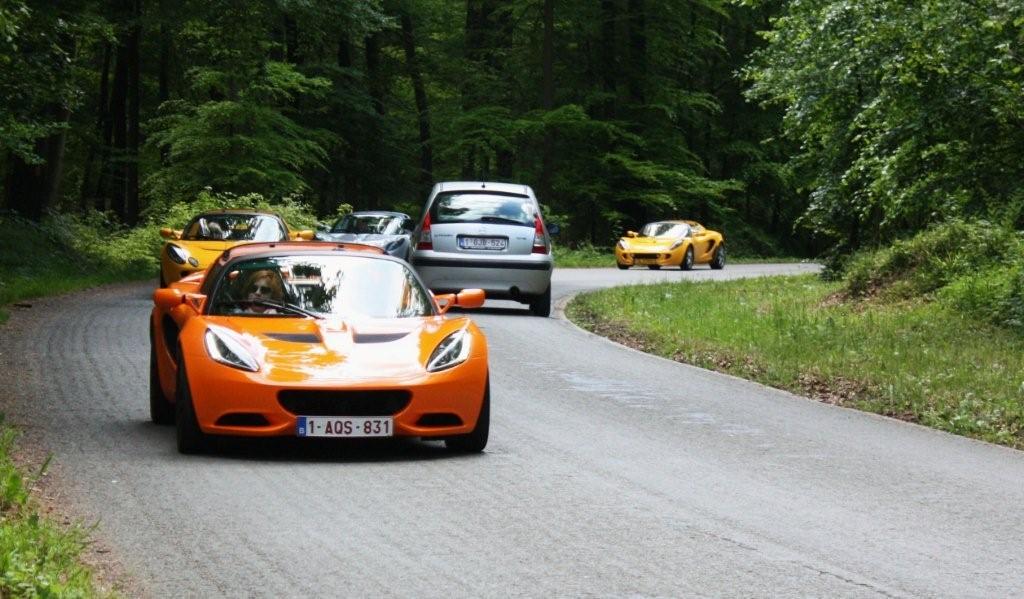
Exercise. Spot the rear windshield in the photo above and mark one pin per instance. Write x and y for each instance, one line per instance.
(462, 207)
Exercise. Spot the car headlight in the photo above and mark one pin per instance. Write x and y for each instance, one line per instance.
(393, 246)
(453, 350)
(223, 346)
(176, 254)
(623, 245)
(676, 244)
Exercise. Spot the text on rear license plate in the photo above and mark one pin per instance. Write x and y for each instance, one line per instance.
(482, 243)
(344, 426)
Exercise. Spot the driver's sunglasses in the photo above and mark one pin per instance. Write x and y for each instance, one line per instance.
(260, 289)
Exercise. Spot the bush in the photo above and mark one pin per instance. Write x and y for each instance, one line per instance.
(931, 260)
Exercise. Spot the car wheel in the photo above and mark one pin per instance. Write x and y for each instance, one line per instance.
(718, 262)
(191, 439)
(687, 262)
(622, 266)
(541, 305)
(476, 441)
(654, 266)
(161, 411)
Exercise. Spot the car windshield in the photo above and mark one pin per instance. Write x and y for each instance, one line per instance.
(321, 286)
(381, 224)
(665, 230)
(235, 227)
(482, 208)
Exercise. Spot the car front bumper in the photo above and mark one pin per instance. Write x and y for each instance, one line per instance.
(223, 396)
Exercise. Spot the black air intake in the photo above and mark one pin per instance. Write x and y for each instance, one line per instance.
(344, 403)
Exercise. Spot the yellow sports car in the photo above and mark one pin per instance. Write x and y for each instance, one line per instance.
(193, 248)
(680, 243)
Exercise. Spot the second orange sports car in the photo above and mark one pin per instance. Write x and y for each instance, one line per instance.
(316, 340)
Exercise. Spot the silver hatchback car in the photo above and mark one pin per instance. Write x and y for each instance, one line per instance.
(489, 236)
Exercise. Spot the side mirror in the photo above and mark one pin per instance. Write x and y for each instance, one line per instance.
(631, 234)
(554, 229)
(169, 233)
(470, 298)
(168, 299)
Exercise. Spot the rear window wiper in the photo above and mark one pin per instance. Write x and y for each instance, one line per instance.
(502, 219)
(271, 304)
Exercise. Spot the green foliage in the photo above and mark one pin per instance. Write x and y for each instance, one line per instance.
(973, 267)
(904, 360)
(39, 62)
(234, 129)
(931, 259)
(905, 114)
(37, 558)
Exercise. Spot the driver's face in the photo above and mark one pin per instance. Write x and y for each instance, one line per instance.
(260, 288)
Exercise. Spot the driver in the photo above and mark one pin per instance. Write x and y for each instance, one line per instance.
(264, 284)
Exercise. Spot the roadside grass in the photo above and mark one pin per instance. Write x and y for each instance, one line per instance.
(34, 264)
(37, 558)
(588, 256)
(915, 360)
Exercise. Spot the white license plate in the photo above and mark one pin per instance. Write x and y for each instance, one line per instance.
(483, 243)
(345, 426)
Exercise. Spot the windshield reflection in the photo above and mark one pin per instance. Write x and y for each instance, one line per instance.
(329, 286)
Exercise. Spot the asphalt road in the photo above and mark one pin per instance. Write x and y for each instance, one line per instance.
(609, 473)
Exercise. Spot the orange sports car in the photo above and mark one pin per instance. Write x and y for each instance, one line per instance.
(316, 340)
(195, 247)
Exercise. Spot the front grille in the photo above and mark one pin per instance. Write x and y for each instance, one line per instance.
(645, 256)
(344, 403)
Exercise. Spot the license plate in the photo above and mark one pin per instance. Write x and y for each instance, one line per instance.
(345, 426)
(644, 261)
(483, 243)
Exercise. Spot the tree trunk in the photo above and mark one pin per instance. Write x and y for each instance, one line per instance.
(87, 191)
(131, 201)
(607, 57)
(422, 108)
(637, 51)
(374, 75)
(547, 96)
(33, 189)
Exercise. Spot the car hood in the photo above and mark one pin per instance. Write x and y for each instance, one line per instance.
(294, 351)
(205, 251)
(649, 242)
(376, 239)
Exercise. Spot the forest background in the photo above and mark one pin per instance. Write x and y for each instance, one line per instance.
(795, 127)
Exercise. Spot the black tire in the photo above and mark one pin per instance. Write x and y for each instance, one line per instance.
(687, 262)
(718, 261)
(191, 439)
(541, 305)
(476, 441)
(654, 266)
(161, 411)
(622, 266)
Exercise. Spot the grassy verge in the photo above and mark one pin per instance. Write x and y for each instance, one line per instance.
(916, 360)
(37, 558)
(597, 257)
(35, 263)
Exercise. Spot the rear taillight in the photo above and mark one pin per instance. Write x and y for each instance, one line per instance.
(540, 242)
(425, 242)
